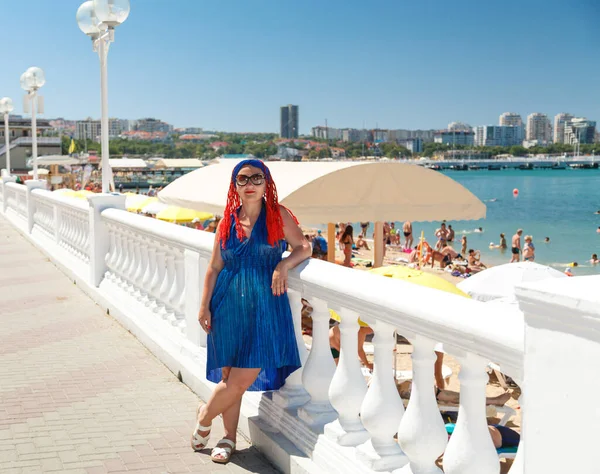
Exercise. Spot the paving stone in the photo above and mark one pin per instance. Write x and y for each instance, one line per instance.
(79, 393)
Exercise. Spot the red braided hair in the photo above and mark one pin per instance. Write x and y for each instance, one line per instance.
(271, 202)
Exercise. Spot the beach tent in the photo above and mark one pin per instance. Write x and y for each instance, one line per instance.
(500, 281)
(178, 163)
(346, 191)
(127, 163)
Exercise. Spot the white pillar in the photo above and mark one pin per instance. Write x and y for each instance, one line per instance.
(34, 150)
(99, 242)
(30, 185)
(293, 394)
(382, 409)
(422, 434)
(319, 369)
(5, 180)
(471, 450)
(7, 141)
(348, 386)
(106, 171)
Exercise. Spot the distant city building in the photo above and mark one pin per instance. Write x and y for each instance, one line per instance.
(559, 126)
(193, 131)
(511, 119)
(498, 135)
(151, 125)
(414, 145)
(326, 133)
(532, 143)
(289, 121)
(380, 136)
(90, 129)
(355, 135)
(459, 127)
(580, 130)
(455, 137)
(539, 128)
(426, 135)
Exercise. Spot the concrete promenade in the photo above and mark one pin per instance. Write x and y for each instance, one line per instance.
(80, 394)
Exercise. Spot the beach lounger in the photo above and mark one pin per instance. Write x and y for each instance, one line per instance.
(503, 453)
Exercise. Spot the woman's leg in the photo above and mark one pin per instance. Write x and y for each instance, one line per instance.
(227, 393)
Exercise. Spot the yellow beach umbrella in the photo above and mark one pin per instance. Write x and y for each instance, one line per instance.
(181, 214)
(139, 203)
(418, 277)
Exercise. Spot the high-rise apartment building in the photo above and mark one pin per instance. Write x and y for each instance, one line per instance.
(559, 126)
(455, 137)
(92, 129)
(459, 127)
(326, 133)
(495, 135)
(511, 119)
(289, 121)
(152, 125)
(539, 128)
(580, 130)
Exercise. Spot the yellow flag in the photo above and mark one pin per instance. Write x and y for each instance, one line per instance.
(72, 147)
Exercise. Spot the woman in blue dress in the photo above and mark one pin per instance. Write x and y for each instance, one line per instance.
(245, 311)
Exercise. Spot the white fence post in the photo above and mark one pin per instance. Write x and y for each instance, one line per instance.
(30, 186)
(99, 238)
(6, 179)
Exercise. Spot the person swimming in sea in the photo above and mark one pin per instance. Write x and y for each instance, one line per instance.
(502, 245)
(479, 229)
(547, 240)
(594, 260)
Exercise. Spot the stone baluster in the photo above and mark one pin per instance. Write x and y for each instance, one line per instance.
(120, 258)
(180, 298)
(176, 287)
(422, 434)
(293, 394)
(348, 386)
(142, 251)
(149, 274)
(157, 280)
(165, 288)
(319, 369)
(111, 255)
(131, 263)
(471, 450)
(382, 409)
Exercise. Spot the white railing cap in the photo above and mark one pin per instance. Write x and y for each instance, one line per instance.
(177, 235)
(73, 203)
(493, 331)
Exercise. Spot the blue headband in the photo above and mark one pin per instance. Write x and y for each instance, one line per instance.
(255, 163)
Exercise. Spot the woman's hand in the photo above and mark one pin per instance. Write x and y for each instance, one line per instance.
(204, 318)
(279, 284)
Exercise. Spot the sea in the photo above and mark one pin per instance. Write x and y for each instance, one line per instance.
(559, 204)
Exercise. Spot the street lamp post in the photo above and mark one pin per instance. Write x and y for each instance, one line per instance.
(31, 81)
(6, 107)
(98, 19)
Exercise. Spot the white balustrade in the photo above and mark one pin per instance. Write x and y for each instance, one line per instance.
(153, 266)
(422, 434)
(319, 369)
(471, 450)
(348, 386)
(382, 408)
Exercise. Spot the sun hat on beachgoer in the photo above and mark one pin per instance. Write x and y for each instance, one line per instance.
(319, 232)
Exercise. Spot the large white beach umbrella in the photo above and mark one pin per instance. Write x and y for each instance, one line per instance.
(348, 191)
(499, 282)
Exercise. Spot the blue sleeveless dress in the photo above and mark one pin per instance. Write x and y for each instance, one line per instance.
(250, 327)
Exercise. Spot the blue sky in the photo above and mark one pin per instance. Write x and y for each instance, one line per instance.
(230, 64)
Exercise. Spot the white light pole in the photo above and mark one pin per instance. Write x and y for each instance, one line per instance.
(31, 81)
(98, 19)
(6, 107)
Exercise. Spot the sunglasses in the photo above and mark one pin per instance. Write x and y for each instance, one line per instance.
(256, 179)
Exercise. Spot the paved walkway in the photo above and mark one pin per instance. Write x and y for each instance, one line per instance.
(80, 394)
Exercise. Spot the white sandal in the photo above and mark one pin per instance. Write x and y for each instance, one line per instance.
(224, 451)
(199, 442)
